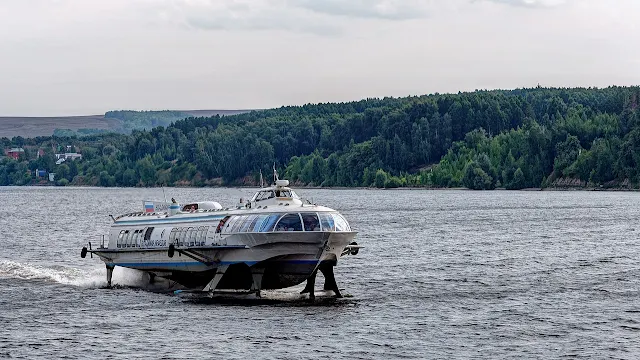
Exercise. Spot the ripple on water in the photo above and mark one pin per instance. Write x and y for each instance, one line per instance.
(444, 274)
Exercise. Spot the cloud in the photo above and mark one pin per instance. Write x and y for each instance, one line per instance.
(245, 15)
(380, 9)
(531, 3)
(319, 17)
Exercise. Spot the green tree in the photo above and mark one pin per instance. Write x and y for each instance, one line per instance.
(380, 179)
(476, 178)
(566, 153)
(518, 180)
(393, 182)
(62, 171)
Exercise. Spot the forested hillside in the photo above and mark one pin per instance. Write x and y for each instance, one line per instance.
(482, 140)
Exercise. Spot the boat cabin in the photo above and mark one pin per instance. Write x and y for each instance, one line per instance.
(278, 193)
(270, 193)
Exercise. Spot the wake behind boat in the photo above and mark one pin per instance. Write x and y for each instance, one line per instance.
(273, 241)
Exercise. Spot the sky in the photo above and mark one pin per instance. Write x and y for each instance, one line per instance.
(80, 57)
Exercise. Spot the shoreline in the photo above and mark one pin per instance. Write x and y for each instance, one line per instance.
(412, 188)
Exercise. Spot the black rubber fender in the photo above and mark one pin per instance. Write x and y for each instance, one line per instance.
(83, 252)
(172, 250)
(354, 251)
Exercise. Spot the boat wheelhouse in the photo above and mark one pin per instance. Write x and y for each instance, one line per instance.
(272, 241)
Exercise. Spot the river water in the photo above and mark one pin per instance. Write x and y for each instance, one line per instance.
(444, 274)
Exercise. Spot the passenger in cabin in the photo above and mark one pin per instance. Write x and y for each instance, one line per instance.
(311, 224)
(221, 224)
(315, 226)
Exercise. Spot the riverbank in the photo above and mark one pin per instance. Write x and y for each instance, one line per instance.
(330, 187)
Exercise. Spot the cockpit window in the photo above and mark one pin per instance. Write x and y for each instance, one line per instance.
(289, 222)
(268, 194)
(263, 195)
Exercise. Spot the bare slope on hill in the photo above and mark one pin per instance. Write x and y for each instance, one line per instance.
(28, 127)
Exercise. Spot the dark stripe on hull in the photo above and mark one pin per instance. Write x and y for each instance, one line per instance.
(277, 275)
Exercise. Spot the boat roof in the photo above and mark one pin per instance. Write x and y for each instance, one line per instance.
(139, 218)
(277, 198)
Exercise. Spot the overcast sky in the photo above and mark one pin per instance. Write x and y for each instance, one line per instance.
(73, 57)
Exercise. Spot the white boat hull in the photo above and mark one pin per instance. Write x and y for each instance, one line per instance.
(273, 241)
(283, 259)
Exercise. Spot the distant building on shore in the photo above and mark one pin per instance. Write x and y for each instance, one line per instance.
(67, 156)
(14, 153)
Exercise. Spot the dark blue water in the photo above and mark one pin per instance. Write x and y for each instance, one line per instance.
(445, 274)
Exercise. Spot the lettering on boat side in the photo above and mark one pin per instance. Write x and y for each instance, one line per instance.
(153, 243)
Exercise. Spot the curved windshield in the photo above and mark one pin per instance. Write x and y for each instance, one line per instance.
(306, 221)
(268, 194)
(341, 223)
(263, 195)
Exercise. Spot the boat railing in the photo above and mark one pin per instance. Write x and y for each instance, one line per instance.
(143, 213)
(140, 213)
(103, 241)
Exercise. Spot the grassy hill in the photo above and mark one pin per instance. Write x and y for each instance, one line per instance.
(28, 127)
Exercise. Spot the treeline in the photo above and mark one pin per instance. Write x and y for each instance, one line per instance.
(130, 120)
(482, 140)
(144, 120)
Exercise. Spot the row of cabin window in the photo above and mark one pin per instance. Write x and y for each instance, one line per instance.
(286, 222)
(183, 236)
(133, 238)
(189, 236)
